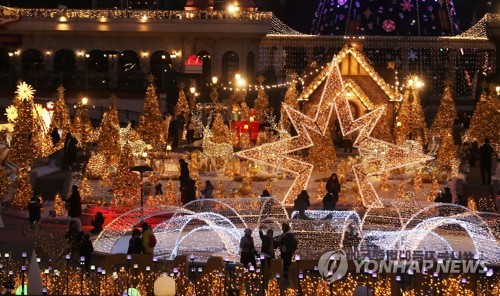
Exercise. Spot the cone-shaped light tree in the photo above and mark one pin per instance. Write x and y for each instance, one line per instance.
(447, 157)
(485, 122)
(83, 130)
(60, 117)
(108, 143)
(220, 130)
(411, 122)
(126, 182)
(182, 105)
(21, 150)
(262, 101)
(446, 114)
(150, 121)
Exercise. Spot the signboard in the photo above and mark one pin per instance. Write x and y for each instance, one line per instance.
(193, 65)
(8, 15)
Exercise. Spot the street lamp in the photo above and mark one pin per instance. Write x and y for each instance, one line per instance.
(85, 101)
(497, 89)
(215, 79)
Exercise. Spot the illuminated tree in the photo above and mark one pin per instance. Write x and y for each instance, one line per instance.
(411, 121)
(83, 130)
(59, 205)
(220, 130)
(182, 105)
(60, 117)
(97, 166)
(322, 154)
(171, 193)
(108, 143)
(446, 114)
(23, 191)
(126, 182)
(485, 121)
(400, 192)
(431, 195)
(21, 150)
(42, 141)
(150, 121)
(384, 181)
(262, 102)
(291, 99)
(447, 157)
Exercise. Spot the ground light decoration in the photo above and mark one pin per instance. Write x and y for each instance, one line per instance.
(379, 156)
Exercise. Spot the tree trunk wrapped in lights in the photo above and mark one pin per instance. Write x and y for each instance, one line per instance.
(262, 102)
(411, 122)
(400, 193)
(60, 117)
(126, 182)
(322, 154)
(150, 121)
(22, 191)
(446, 114)
(485, 122)
(219, 190)
(108, 143)
(447, 157)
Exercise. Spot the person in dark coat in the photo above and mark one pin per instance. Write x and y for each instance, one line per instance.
(447, 197)
(55, 136)
(332, 196)
(86, 251)
(98, 222)
(267, 247)
(301, 203)
(75, 203)
(208, 191)
(265, 193)
(247, 249)
(288, 246)
(189, 192)
(158, 189)
(135, 243)
(486, 152)
(34, 209)
(172, 132)
(74, 235)
(184, 177)
(69, 157)
(474, 150)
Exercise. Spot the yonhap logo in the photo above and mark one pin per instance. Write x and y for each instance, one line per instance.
(333, 265)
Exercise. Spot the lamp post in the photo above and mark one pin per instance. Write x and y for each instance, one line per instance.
(192, 98)
(214, 95)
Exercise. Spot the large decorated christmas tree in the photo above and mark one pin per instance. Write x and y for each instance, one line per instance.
(446, 114)
(447, 157)
(485, 122)
(220, 131)
(21, 150)
(83, 130)
(382, 130)
(150, 121)
(385, 17)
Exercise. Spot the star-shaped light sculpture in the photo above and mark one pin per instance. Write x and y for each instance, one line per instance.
(275, 154)
(380, 156)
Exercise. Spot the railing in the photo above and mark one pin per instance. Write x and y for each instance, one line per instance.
(143, 14)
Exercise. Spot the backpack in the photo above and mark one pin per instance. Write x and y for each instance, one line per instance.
(152, 241)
